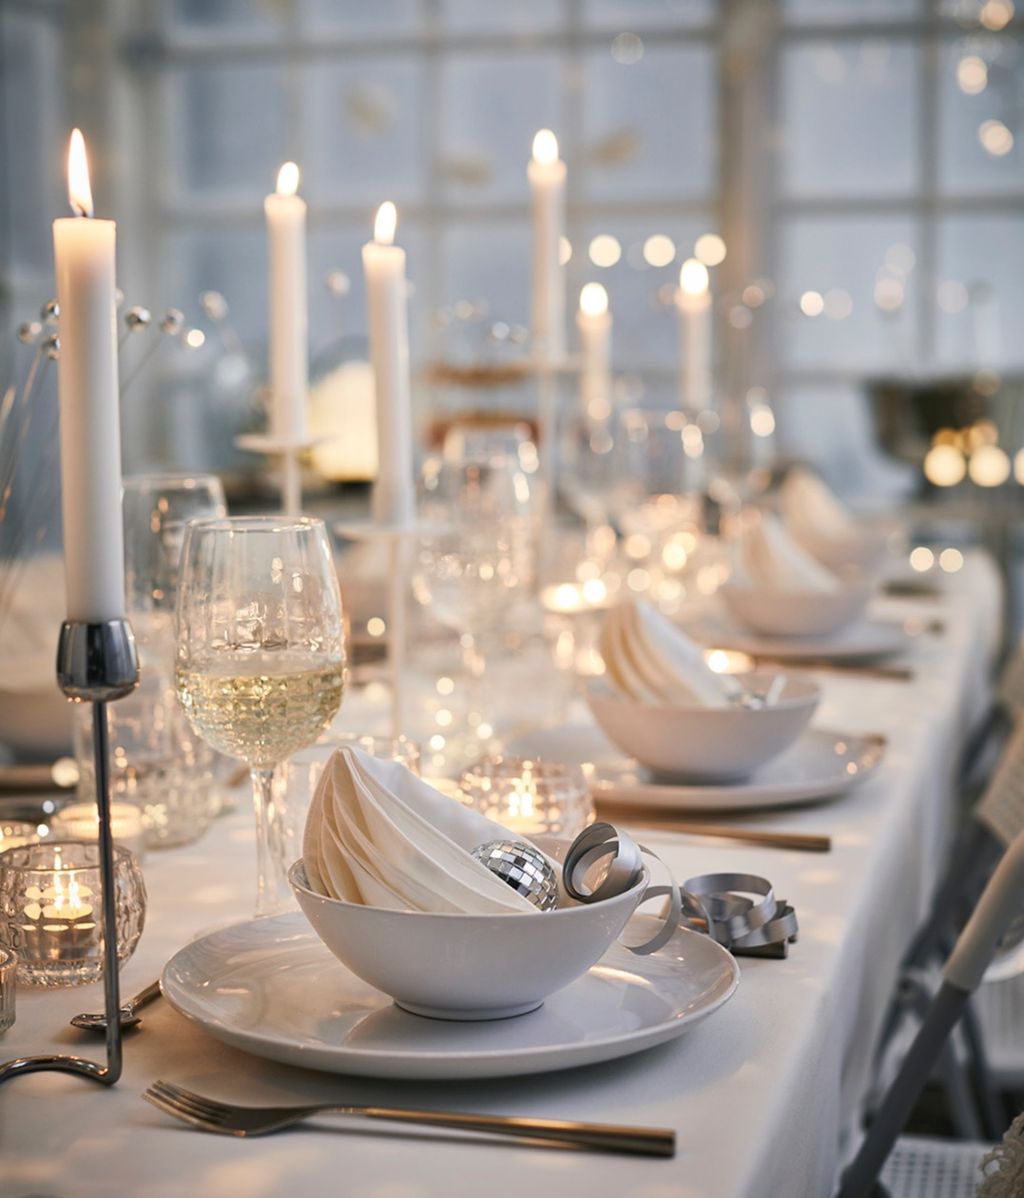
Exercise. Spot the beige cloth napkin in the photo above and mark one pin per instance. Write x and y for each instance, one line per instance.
(767, 556)
(651, 660)
(378, 835)
(813, 515)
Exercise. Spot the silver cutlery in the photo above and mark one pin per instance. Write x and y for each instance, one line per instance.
(97, 1022)
(233, 1120)
(829, 666)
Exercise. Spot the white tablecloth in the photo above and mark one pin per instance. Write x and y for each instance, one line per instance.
(760, 1095)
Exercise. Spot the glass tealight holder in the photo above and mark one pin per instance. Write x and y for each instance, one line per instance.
(81, 821)
(295, 781)
(8, 983)
(530, 796)
(15, 832)
(51, 913)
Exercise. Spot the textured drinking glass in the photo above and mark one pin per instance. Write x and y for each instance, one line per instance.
(295, 781)
(260, 657)
(51, 913)
(529, 796)
(8, 988)
(157, 761)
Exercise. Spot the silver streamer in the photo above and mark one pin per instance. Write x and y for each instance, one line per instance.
(738, 910)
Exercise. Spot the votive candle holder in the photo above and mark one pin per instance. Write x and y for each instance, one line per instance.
(51, 913)
(529, 795)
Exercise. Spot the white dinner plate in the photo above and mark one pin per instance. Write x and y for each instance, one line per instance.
(864, 641)
(270, 987)
(820, 765)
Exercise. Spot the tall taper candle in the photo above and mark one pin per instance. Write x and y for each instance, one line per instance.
(289, 336)
(693, 300)
(594, 322)
(384, 266)
(90, 431)
(546, 173)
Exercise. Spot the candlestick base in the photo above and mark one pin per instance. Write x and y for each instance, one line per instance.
(96, 663)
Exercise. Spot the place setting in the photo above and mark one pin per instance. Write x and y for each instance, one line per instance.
(508, 603)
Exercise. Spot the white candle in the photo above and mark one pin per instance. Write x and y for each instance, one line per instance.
(90, 431)
(594, 323)
(547, 186)
(289, 338)
(384, 266)
(693, 300)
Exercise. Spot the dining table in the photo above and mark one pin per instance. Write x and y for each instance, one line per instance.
(765, 1096)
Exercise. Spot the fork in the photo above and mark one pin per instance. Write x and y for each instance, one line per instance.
(230, 1119)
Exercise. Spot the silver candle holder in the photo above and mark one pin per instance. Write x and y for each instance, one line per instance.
(96, 663)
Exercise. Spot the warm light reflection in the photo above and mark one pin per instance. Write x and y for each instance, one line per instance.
(79, 191)
(710, 249)
(972, 75)
(545, 147)
(693, 277)
(951, 560)
(593, 300)
(944, 465)
(564, 251)
(659, 250)
(605, 250)
(385, 224)
(288, 179)
(995, 137)
(989, 466)
(812, 303)
(921, 559)
(996, 14)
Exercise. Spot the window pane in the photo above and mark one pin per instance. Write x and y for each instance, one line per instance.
(489, 262)
(645, 334)
(226, 130)
(848, 12)
(382, 18)
(977, 150)
(524, 17)
(365, 131)
(981, 291)
(491, 106)
(638, 14)
(649, 126)
(849, 118)
(830, 426)
(228, 18)
(862, 272)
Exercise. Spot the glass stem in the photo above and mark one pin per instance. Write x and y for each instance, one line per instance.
(273, 894)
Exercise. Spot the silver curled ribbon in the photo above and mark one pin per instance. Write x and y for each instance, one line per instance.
(738, 910)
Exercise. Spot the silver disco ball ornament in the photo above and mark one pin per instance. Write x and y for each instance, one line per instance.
(522, 867)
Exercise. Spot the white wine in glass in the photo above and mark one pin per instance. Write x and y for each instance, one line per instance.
(260, 657)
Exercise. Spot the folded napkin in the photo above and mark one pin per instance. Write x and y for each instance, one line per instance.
(767, 556)
(378, 835)
(651, 660)
(812, 513)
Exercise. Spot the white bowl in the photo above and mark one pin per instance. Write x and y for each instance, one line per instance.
(453, 966)
(714, 744)
(796, 613)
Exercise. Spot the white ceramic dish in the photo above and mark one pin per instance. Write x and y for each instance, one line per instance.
(820, 765)
(270, 987)
(708, 743)
(454, 966)
(865, 641)
(795, 613)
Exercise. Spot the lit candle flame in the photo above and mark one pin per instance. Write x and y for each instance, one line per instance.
(693, 277)
(79, 191)
(288, 179)
(545, 147)
(385, 224)
(593, 300)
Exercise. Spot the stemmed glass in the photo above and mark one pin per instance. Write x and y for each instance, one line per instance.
(260, 657)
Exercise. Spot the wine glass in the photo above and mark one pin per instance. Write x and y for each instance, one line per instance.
(260, 657)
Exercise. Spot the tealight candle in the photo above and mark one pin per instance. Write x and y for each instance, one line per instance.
(79, 821)
(50, 911)
(572, 598)
(529, 796)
